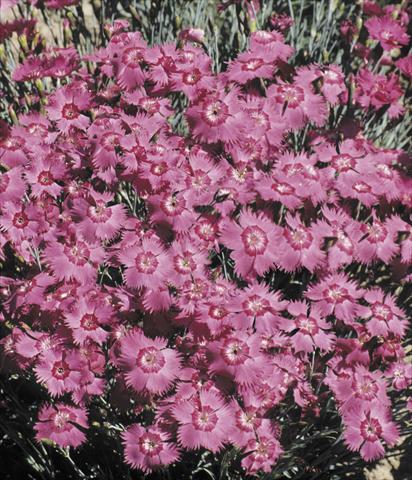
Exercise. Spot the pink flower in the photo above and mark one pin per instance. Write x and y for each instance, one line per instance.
(366, 428)
(237, 356)
(263, 452)
(86, 321)
(297, 103)
(130, 58)
(20, 222)
(44, 174)
(302, 246)
(401, 375)
(60, 423)
(405, 65)
(254, 241)
(250, 65)
(148, 448)
(378, 239)
(383, 315)
(311, 328)
(358, 386)
(147, 265)
(66, 106)
(217, 117)
(205, 421)
(257, 307)
(338, 296)
(60, 370)
(74, 259)
(192, 35)
(148, 364)
(387, 31)
(95, 218)
(378, 91)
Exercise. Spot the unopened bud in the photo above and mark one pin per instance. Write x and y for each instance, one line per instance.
(71, 18)
(13, 116)
(134, 13)
(23, 43)
(39, 85)
(2, 54)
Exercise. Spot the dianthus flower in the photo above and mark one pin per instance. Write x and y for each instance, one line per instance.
(205, 421)
(389, 33)
(86, 321)
(59, 370)
(383, 315)
(66, 106)
(59, 423)
(378, 91)
(263, 451)
(365, 429)
(336, 295)
(95, 218)
(311, 329)
(148, 363)
(147, 265)
(217, 117)
(237, 356)
(254, 241)
(148, 448)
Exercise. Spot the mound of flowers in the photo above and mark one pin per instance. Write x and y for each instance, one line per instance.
(198, 252)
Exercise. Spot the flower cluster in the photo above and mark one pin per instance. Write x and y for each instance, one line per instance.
(200, 281)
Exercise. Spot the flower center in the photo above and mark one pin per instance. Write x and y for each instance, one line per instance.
(381, 311)
(371, 429)
(60, 370)
(184, 263)
(292, 95)
(252, 65)
(362, 187)
(204, 419)
(215, 113)
(299, 238)
(110, 141)
(191, 78)
(61, 420)
(89, 322)
(256, 306)
(132, 57)
(146, 263)
(376, 232)
(365, 388)
(307, 325)
(20, 220)
(283, 188)
(217, 312)
(150, 444)
(78, 253)
(206, 230)
(336, 294)
(150, 360)
(343, 163)
(254, 240)
(235, 352)
(173, 206)
(45, 178)
(70, 111)
(99, 213)
(246, 420)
